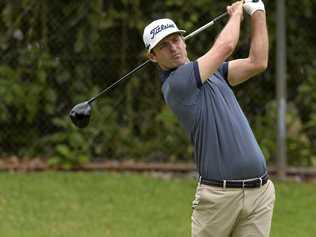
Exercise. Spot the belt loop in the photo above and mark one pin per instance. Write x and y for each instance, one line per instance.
(243, 184)
(260, 182)
(224, 184)
(200, 178)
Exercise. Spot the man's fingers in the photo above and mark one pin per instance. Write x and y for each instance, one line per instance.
(229, 10)
(236, 6)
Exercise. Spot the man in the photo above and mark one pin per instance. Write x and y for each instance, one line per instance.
(234, 196)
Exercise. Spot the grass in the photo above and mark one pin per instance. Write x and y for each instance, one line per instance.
(295, 210)
(123, 205)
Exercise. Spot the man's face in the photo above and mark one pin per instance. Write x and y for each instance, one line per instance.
(170, 52)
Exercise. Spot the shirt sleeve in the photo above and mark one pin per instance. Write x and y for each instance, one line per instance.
(223, 71)
(185, 83)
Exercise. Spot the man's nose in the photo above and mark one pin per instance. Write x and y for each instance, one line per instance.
(172, 47)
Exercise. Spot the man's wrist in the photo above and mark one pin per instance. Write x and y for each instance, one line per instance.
(238, 15)
(258, 13)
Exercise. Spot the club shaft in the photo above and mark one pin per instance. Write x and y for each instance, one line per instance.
(202, 28)
(118, 81)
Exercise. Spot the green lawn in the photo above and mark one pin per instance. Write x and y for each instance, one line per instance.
(119, 205)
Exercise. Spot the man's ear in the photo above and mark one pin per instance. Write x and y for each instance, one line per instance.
(185, 45)
(152, 56)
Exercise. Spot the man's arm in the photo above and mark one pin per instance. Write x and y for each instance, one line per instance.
(240, 70)
(224, 45)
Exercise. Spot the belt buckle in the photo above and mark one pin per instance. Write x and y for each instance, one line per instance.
(224, 184)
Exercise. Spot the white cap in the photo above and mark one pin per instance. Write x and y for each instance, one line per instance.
(157, 30)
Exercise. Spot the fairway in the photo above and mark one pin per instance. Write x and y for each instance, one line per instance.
(123, 205)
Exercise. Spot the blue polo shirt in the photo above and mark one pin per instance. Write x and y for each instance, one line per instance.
(224, 144)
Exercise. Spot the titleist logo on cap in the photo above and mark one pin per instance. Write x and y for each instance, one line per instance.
(160, 28)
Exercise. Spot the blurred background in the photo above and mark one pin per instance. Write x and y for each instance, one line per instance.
(55, 54)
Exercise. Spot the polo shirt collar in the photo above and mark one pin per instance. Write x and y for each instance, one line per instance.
(165, 74)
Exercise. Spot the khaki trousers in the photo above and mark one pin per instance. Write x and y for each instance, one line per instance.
(232, 212)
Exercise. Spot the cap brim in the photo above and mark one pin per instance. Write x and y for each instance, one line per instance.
(174, 32)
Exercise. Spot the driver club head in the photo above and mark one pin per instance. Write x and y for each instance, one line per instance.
(80, 114)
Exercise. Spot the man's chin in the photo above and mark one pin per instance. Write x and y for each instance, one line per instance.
(179, 62)
(176, 63)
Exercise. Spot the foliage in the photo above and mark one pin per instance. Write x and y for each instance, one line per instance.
(55, 54)
(299, 146)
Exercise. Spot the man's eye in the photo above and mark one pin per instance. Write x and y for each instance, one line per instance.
(175, 40)
(162, 46)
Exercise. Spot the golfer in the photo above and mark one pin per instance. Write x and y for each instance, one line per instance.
(234, 196)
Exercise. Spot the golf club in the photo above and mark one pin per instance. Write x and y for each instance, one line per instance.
(80, 113)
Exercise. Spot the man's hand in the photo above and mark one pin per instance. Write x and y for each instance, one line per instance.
(251, 6)
(236, 8)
